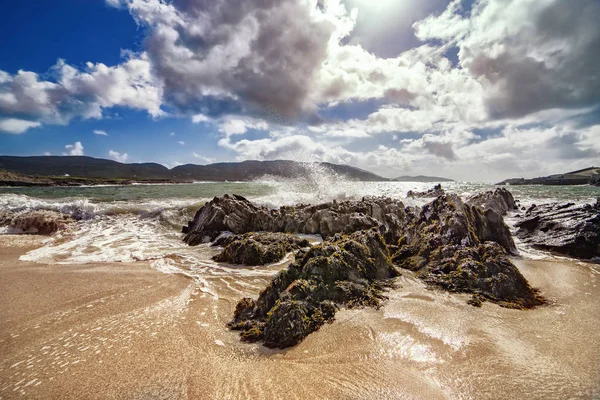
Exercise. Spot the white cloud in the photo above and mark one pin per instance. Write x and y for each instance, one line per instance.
(16, 126)
(75, 149)
(83, 94)
(181, 142)
(120, 157)
(530, 55)
(47, 153)
(172, 134)
(100, 133)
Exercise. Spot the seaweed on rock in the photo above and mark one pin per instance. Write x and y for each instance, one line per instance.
(257, 248)
(348, 270)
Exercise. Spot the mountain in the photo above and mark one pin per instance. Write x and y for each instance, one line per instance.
(82, 166)
(88, 167)
(421, 178)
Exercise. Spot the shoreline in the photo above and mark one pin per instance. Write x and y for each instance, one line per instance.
(125, 330)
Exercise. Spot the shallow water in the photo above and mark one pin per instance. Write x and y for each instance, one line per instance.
(421, 344)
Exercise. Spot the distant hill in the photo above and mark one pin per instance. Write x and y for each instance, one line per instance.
(421, 178)
(88, 167)
(590, 175)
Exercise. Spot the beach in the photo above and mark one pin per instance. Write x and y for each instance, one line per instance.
(125, 330)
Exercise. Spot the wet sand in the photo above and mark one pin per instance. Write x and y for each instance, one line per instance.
(124, 330)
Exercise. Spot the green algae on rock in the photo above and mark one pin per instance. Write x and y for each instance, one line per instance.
(348, 270)
(258, 248)
(451, 246)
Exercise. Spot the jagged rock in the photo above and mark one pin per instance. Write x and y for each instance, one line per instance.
(448, 247)
(226, 213)
(238, 215)
(42, 222)
(567, 228)
(499, 200)
(349, 270)
(257, 248)
(434, 192)
(483, 270)
(452, 245)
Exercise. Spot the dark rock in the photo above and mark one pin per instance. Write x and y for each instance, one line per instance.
(257, 248)
(499, 200)
(238, 215)
(451, 245)
(448, 246)
(435, 192)
(484, 270)
(227, 213)
(568, 229)
(349, 270)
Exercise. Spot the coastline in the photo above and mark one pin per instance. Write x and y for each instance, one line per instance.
(124, 330)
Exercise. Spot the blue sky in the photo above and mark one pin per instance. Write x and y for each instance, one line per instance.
(472, 90)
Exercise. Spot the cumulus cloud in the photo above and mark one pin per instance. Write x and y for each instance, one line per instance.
(120, 157)
(533, 55)
(84, 94)
(75, 149)
(100, 133)
(306, 148)
(16, 126)
(255, 56)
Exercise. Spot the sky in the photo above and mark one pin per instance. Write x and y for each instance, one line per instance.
(475, 90)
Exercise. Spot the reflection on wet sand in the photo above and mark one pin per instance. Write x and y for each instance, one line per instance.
(127, 331)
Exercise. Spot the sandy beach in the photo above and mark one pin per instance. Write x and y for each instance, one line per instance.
(127, 331)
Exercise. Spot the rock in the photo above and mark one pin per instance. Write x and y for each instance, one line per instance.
(257, 248)
(435, 192)
(566, 228)
(483, 270)
(499, 200)
(451, 245)
(226, 213)
(448, 246)
(238, 215)
(348, 270)
(42, 222)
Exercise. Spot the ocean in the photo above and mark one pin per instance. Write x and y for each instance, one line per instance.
(421, 344)
(143, 222)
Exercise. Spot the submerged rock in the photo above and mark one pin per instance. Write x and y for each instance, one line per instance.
(567, 228)
(257, 248)
(348, 270)
(42, 222)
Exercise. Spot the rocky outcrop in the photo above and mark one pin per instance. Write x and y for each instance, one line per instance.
(238, 215)
(434, 192)
(499, 200)
(257, 248)
(451, 245)
(41, 222)
(349, 270)
(567, 228)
